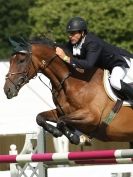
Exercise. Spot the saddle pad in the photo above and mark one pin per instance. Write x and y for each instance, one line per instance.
(109, 90)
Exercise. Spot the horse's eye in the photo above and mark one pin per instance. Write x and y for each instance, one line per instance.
(21, 60)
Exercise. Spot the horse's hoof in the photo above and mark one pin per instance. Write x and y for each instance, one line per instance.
(74, 139)
(39, 122)
(85, 140)
(56, 133)
(60, 125)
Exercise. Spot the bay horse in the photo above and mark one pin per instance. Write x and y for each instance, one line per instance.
(80, 98)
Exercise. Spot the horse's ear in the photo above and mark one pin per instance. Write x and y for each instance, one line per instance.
(13, 42)
(19, 44)
(23, 42)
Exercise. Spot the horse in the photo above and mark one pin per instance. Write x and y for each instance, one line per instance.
(80, 98)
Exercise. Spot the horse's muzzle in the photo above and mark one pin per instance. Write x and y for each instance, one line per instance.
(10, 93)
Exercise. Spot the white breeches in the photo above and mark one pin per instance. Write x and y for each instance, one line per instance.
(118, 73)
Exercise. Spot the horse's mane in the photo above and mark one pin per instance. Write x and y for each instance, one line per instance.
(42, 40)
(47, 41)
(20, 43)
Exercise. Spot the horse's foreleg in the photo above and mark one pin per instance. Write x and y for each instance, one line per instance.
(74, 136)
(69, 132)
(51, 116)
(83, 120)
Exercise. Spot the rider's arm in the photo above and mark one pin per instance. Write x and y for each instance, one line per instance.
(93, 51)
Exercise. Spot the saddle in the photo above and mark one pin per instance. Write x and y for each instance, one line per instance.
(113, 93)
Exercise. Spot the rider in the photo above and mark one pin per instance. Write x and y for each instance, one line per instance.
(90, 51)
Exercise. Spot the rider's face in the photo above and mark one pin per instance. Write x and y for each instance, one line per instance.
(75, 36)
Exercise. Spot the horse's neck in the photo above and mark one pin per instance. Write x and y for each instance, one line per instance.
(98, 76)
(76, 78)
(56, 73)
(92, 75)
(53, 79)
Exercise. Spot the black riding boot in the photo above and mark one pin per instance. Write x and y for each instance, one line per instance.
(127, 91)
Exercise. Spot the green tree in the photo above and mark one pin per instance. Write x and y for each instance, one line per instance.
(110, 19)
(14, 21)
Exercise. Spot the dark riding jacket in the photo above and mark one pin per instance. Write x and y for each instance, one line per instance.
(95, 52)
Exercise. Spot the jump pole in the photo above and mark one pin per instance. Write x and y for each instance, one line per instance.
(86, 157)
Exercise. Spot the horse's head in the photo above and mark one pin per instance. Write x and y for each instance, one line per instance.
(21, 68)
(32, 57)
(27, 59)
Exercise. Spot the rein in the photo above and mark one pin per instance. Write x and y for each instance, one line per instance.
(54, 92)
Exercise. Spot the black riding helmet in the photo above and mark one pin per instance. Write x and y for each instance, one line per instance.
(76, 24)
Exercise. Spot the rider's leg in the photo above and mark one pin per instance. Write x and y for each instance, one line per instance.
(127, 90)
(117, 75)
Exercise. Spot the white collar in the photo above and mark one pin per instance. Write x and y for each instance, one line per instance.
(77, 48)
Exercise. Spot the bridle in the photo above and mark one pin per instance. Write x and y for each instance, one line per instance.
(46, 64)
(25, 74)
(25, 77)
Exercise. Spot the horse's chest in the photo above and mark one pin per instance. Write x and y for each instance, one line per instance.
(67, 103)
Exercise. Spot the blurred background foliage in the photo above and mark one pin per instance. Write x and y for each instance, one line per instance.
(110, 19)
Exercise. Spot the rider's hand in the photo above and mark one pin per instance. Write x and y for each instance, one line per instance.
(62, 54)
